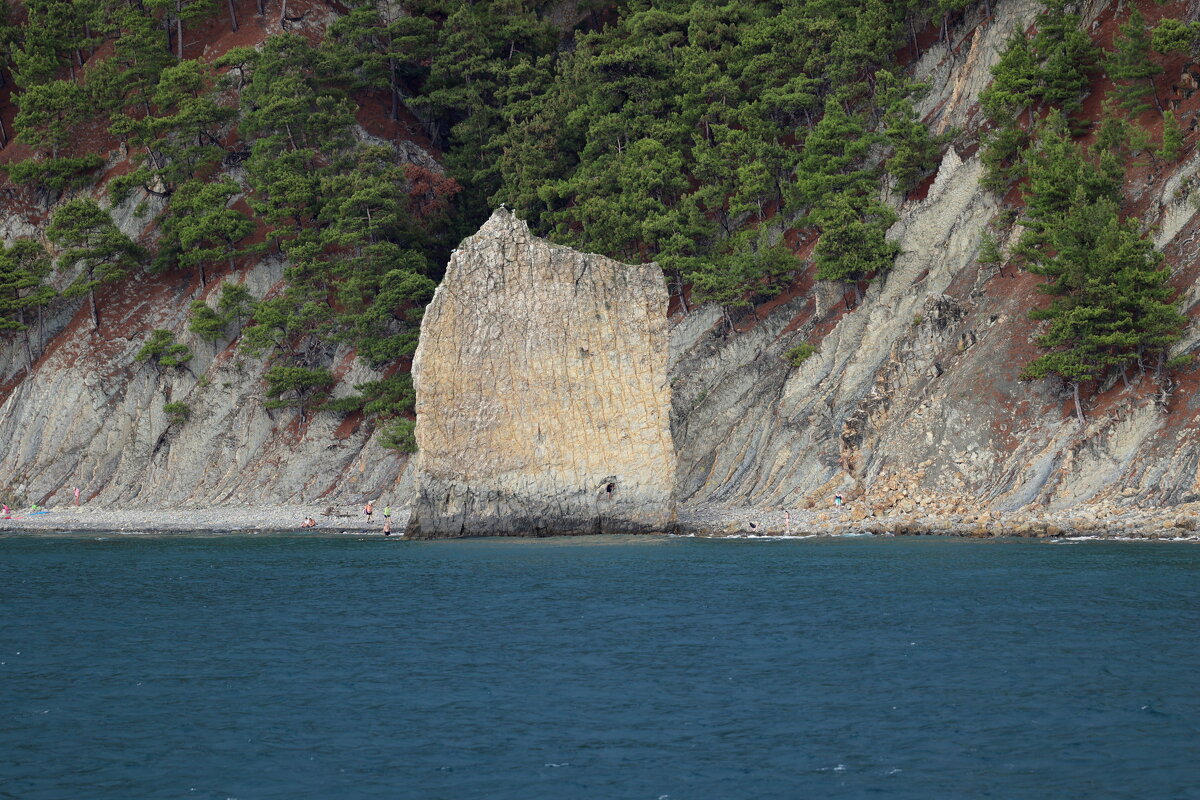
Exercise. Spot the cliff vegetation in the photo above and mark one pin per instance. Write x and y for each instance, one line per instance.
(761, 152)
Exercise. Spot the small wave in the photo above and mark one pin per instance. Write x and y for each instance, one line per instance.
(774, 537)
(1166, 539)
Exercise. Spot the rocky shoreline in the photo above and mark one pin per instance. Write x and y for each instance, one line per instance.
(215, 519)
(1172, 523)
(1175, 522)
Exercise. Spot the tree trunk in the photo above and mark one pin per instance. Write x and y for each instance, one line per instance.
(282, 14)
(95, 313)
(232, 16)
(395, 90)
(3, 135)
(28, 347)
(203, 279)
(259, 5)
(178, 33)
(1078, 407)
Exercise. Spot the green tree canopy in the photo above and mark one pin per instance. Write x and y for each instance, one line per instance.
(1131, 67)
(24, 267)
(89, 238)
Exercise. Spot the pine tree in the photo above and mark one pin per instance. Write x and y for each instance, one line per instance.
(832, 162)
(1112, 304)
(49, 113)
(1016, 80)
(1067, 55)
(1176, 36)
(124, 82)
(54, 37)
(1059, 173)
(24, 267)
(1016, 84)
(1172, 138)
(1003, 156)
(180, 12)
(236, 302)
(990, 254)
(1113, 134)
(1131, 68)
(162, 349)
(853, 242)
(91, 239)
(915, 152)
(205, 322)
(297, 387)
(200, 227)
(187, 124)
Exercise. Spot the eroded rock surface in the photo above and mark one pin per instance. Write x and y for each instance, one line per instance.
(542, 397)
(90, 415)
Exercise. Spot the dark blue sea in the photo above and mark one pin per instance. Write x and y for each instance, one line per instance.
(223, 666)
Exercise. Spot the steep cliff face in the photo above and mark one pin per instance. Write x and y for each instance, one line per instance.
(84, 413)
(544, 374)
(542, 395)
(90, 415)
(912, 399)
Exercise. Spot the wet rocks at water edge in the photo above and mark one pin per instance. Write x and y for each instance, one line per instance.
(1099, 522)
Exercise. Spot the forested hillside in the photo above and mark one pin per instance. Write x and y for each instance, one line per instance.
(750, 148)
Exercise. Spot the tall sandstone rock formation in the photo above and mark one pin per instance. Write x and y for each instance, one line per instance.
(543, 404)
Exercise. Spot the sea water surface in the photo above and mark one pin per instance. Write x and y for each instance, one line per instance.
(213, 666)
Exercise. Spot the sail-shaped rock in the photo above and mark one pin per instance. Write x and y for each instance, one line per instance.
(543, 404)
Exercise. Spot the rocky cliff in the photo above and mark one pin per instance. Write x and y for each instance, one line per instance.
(90, 416)
(912, 400)
(533, 401)
(542, 397)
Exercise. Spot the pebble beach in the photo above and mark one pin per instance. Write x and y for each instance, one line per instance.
(1175, 523)
(216, 519)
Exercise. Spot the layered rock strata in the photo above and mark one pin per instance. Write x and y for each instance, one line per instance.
(543, 405)
(89, 415)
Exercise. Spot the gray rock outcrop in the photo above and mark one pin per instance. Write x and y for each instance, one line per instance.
(91, 416)
(542, 397)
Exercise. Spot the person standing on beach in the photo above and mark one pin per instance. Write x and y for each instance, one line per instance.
(387, 527)
(387, 512)
(77, 496)
(369, 509)
(787, 523)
